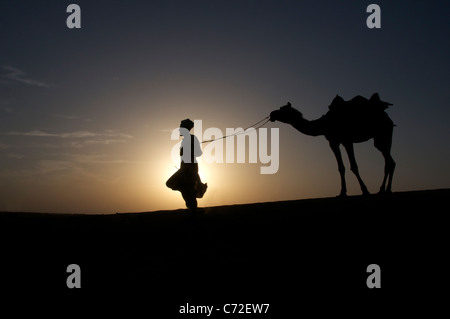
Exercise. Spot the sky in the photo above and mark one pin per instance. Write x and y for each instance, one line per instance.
(86, 114)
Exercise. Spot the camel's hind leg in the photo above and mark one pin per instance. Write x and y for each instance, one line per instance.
(384, 146)
(389, 168)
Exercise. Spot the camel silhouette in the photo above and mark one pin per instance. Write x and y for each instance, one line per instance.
(348, 122)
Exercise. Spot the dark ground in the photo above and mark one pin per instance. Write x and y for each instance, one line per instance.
(298, 256)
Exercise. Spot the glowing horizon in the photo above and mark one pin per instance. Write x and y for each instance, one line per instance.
(86, 114)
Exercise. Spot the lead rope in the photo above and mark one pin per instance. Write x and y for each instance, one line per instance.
(264, 120)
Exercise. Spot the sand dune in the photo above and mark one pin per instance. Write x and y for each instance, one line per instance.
(290, 254)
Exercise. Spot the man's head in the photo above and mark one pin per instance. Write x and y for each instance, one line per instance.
(187, 124)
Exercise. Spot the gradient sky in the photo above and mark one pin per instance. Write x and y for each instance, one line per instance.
(86, 114)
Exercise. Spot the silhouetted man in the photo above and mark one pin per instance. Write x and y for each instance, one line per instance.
(186, 179)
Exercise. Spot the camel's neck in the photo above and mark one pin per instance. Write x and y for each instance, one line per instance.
(313, 128)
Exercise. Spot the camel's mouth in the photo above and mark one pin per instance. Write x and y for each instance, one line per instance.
(272, 116)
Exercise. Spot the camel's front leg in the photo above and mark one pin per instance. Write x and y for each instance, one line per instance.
(354, 167)
(341, 167)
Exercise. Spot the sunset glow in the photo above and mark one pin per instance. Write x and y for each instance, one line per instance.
(86, 114)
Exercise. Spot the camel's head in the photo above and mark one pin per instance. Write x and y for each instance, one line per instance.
(284, 114)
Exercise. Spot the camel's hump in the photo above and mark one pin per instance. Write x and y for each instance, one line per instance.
(358, 103)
